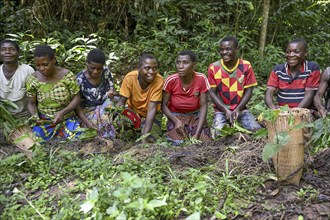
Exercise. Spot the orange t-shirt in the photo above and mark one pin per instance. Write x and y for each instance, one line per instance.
(138, 99)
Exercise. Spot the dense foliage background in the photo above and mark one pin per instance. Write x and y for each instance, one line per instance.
(64, 184)
(126, 28)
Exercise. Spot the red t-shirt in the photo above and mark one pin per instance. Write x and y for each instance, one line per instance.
(184, 101)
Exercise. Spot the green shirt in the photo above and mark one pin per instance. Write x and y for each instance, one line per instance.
(52, 97)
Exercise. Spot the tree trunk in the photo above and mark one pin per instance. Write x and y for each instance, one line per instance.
(263, 31)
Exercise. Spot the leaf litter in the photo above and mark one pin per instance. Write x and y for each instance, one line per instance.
(239, 154)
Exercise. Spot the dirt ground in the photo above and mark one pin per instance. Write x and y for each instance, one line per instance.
(274, 200)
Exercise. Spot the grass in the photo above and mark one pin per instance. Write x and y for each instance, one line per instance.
(60, 184)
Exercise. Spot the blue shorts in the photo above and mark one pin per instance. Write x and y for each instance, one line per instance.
(245, 118)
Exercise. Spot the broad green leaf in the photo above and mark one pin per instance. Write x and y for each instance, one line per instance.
(112, 210)
(282, 138)
(87, 206)
(194, 216)
(261, 133)
(155, 203)
(94, 194)
(219, 215)
(126, 176)
(241, 129)
(198, 200)
(137, 182)
(122, 216)
(270, 150)
(136, 204)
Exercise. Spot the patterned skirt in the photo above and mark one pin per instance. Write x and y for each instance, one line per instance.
(102, 118)
(63, 130)
(133, 124)
(190, 121)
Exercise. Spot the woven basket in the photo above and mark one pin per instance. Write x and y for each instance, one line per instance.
(26, 143)
(289, 160)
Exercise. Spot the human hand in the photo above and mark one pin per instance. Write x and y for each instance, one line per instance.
(90, 125)
(228, 114)
(195, 136)
(59, 117)
(323, 113)
(179, 127)
(111, 93)
(149, 139)
(234, 115)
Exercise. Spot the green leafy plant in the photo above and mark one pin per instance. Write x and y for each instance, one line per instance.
(319, 138)
(6, 119)
(281, 137)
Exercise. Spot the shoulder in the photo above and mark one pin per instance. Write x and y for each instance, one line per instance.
(172, 77)
(80, 74)
(310, 65)
(26, 68)
(279, 67)
(32, 79)
(67, 73)
(245, 62)
(216, 64)
(200, 75)
(159, 78)
(131, 76)
(133, 73)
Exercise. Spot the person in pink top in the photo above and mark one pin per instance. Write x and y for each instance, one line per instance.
(185, 101)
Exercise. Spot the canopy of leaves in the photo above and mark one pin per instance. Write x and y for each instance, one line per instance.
(126, 28)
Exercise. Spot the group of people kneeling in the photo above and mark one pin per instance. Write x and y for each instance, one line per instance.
(60, 102)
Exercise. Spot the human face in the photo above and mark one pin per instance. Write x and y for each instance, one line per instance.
(9, 53)
(148, 70)
(184, 65)
(228, 52)
(94, 69)
(295, 54)
(45, 65)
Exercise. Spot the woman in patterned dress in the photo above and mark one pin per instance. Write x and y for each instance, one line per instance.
(97, 93)
(53, 95)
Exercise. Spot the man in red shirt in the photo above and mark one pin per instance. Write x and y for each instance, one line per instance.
(295, 81)
(232, 81)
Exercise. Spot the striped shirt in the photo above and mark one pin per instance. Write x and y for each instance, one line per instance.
(291, 90)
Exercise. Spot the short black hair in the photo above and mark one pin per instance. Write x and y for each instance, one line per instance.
(191, 54)
(145, 56)
(230, 38)
(44, 50)
(299, 40)
(10, 42)
(96, 56)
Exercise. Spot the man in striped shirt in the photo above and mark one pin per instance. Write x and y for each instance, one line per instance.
(295, 81)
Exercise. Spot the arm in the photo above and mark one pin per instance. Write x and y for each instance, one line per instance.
(70, 107)
(269, 97)
(219, 103)
(122, 101)
(308, 99)
(168, 113)
(83, 118)
(202, 115)
(152, 110)
(247, 94)
(32, 106)
(321, 91)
